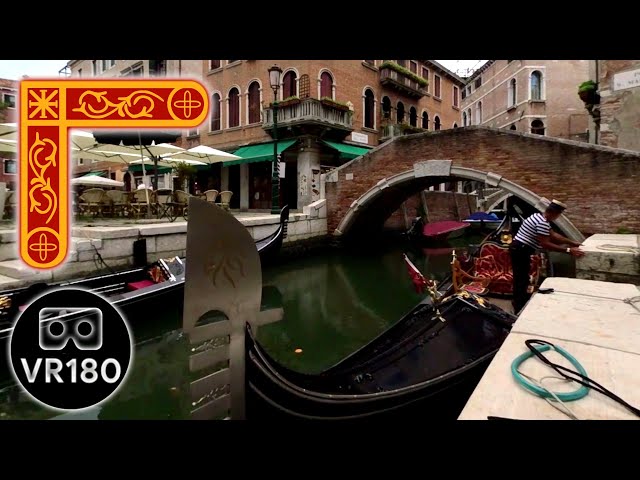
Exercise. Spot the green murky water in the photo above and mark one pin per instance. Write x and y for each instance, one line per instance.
(333, 303)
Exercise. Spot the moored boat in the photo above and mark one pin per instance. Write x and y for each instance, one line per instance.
(157, 287)
(424, 366)
(483, 220)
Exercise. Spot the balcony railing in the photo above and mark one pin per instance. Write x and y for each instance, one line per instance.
(398, 130)
(401, 82)
(310, 111)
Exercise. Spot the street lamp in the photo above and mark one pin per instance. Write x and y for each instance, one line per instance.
(274, 81)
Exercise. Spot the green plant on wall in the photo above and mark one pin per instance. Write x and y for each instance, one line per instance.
(588, 86)
(184, 172)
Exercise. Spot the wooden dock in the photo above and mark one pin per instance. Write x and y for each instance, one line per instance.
(596, 322)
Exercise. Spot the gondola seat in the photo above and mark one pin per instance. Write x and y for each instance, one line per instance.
(138, 285)
(492, 272)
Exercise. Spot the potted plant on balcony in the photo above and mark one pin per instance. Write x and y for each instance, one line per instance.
(293, 100)
(588, 92)
(422, 82)
(329, 102)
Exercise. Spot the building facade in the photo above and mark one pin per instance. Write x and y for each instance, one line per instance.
(8, 114)
(328, 112)
(616, 116)
(534, 96)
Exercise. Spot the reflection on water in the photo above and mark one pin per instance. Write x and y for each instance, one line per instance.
(333, 304)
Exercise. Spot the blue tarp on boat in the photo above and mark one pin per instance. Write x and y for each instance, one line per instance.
(487, 217)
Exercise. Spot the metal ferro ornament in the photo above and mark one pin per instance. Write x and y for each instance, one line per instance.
(49, 109)
(223, 291)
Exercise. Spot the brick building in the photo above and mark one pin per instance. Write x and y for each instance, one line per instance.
(8, 98)
(535, 96)
(616, 119)
(329, 111)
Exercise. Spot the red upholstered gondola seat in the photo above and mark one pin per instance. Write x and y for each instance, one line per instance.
(492, 268)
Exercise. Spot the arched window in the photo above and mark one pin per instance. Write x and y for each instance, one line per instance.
(536, 85)
(215, 112)
(479, 113)
(326, 85)
(400, 112)
(234, 108)
(464, 118)
(289, 85)
(537, 127)
(214, 64)
(455, 125)
(425, 120)
(386, 107)
(512, 93)
(413, 117)
(512, 127)
(254, 102)
(369, 109)
(436, 123)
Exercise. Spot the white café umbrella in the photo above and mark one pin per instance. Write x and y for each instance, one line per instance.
(9, 146)
(205, 154)
(96, 181)
(80, 139)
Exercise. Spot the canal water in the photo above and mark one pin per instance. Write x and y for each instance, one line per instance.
(333, 303)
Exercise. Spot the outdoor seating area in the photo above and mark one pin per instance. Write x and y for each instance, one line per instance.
(142, 203)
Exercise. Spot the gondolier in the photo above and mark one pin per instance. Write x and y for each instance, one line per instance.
(536, 233)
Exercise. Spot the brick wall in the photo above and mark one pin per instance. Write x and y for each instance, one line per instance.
(619, 108)
(599, 184)
(440, 206)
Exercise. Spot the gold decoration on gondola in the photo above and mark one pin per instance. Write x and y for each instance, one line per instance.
(5, 302)
(506, 238)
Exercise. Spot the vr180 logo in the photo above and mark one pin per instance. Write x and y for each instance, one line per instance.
(70, 349)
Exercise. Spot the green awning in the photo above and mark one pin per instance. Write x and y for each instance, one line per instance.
(262, 152)
(93, 174)
(148, 169)
(348, 152)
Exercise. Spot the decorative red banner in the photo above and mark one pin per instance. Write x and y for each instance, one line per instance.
(48, 109)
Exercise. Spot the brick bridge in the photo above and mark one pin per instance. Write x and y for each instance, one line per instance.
(599, 184)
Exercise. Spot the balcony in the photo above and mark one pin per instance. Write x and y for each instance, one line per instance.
(310, 116)
(391, 77)
(387, 132)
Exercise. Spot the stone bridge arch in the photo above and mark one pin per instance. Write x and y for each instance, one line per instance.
(431, 172)
(599, 184)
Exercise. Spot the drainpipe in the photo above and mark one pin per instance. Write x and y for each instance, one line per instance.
(597, 123)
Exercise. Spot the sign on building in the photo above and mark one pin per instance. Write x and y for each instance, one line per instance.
(360, 137)
(630, 79)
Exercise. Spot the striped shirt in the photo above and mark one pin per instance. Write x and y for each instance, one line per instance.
(533, 226)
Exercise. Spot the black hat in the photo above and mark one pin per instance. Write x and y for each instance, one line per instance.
(557, 206)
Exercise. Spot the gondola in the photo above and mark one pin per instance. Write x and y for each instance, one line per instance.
(436, 231)
(487, 270)
(136, 291)
(425, 366)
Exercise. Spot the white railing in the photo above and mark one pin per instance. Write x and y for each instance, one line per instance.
(309, 109)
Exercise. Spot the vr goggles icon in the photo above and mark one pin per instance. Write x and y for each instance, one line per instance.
(57, 326)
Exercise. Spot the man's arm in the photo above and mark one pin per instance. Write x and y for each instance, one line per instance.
(557, 238)
(546, 243)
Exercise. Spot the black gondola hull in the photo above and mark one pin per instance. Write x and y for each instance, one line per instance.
(419, 368)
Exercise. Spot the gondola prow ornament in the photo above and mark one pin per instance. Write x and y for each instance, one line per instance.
(222, 294)
(422, 285)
